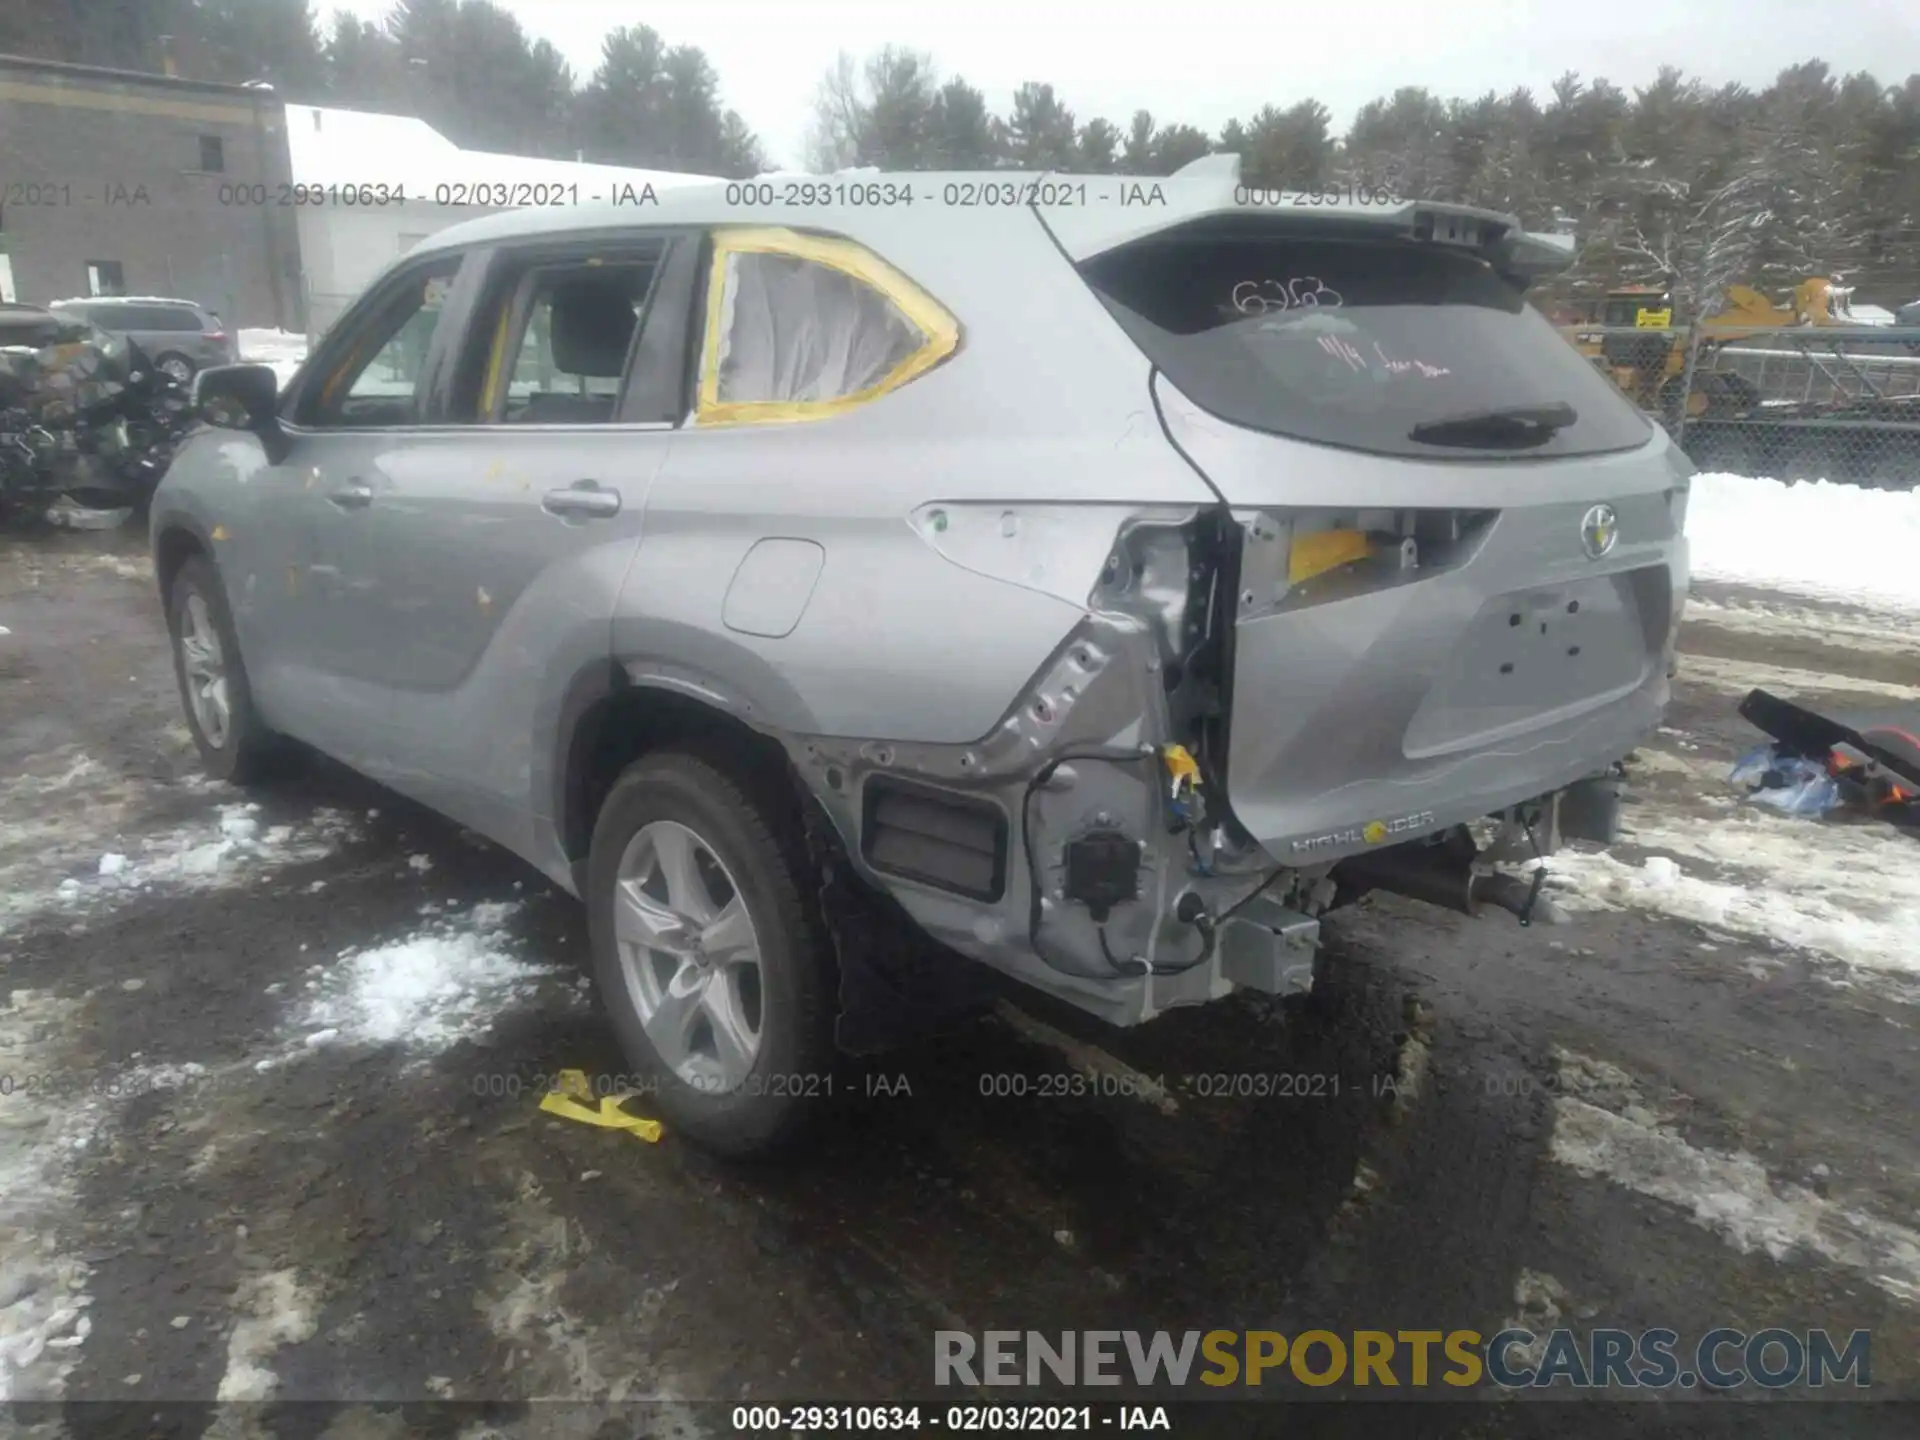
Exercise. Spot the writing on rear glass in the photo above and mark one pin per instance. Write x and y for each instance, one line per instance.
(1360, 362)
(1303, 292)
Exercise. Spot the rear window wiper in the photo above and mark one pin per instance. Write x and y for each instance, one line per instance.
(1516, 425)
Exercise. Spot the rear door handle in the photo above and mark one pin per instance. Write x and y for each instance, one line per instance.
(584, 498)
(353, 497)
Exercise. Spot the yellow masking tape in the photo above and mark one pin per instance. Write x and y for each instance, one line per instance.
(927, 315)
(568, 1102)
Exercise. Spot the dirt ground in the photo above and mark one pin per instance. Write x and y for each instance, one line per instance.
(1634, 1119)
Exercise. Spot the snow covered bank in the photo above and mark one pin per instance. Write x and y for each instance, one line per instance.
(1850, 892)
(281, 349)
(1813, 537)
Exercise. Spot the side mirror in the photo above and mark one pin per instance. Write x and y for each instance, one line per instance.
(243, 397)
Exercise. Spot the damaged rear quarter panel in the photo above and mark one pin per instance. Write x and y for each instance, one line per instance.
(1045, 402)
(967, 662)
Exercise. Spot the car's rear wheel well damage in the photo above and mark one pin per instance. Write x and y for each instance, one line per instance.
(894, 980)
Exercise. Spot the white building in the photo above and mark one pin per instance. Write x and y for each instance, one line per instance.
(351, 154)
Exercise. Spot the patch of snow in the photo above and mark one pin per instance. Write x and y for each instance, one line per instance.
(45, 830)
(1537, 1298)
(432, 989)
(274, 1311)
(1731, 1194)
(1810, 537)
(1850, 892)
(422, 863)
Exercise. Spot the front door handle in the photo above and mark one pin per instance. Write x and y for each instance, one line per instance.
(583, 498)
(353, 497)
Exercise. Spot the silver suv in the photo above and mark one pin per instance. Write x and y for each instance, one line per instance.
(1099, 579)
(179, 336)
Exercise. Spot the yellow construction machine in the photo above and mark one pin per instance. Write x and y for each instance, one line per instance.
(1649, 365)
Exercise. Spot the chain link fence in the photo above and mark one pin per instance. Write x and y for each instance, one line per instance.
(1809, 402)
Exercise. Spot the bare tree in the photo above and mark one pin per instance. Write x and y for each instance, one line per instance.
(839, 116)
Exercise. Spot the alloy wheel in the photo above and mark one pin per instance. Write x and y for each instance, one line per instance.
(690, 956)
(205, 662)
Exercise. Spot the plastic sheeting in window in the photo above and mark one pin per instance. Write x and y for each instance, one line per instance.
(793, 331)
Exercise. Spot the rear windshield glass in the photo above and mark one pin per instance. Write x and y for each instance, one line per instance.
(1361, 342)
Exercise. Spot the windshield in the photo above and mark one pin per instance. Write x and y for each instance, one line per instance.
(1358, 341)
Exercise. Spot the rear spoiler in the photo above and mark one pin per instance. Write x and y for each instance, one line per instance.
(1210, 189)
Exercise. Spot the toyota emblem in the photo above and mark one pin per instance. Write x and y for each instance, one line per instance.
(1599, 530)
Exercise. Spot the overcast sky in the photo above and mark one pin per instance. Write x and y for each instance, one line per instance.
(1208, 61)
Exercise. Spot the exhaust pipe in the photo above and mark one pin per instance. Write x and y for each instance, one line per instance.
(1442, 874)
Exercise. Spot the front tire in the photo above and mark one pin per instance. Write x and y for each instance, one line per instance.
(234, 745)
(710, 954)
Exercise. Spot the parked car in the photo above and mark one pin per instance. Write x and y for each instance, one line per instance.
(1103, 590)
(182, 338)
(29, 327)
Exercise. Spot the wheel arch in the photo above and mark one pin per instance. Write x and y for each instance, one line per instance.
(609, 719)
(176, 540)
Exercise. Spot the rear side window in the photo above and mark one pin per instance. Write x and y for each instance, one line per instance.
(795, 330)
(801, 326)
(1380, 344)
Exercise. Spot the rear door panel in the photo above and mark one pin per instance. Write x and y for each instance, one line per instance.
(499, 582)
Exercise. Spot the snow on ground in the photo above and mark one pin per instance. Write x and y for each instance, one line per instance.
(275, 1310)
(1604, 1128)
(1739, 676)
(443, 984)
(76, 842)
(1849, 892)
(49, 1115)
(1811, 538)
(281, 349)
(1870, 634)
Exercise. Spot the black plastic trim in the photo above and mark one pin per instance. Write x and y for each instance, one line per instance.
(920, 832)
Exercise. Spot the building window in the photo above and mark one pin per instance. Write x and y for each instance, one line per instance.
(104, 278)
(213, 154)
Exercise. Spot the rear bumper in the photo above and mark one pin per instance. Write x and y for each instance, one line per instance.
(1366, 814)
(1373, 718)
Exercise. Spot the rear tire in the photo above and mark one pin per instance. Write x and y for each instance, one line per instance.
(710, 954)
(180, 367)
(234, 745)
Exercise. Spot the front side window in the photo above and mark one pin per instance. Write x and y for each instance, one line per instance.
(376, 377)
(801, 326)
(1382, 344)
